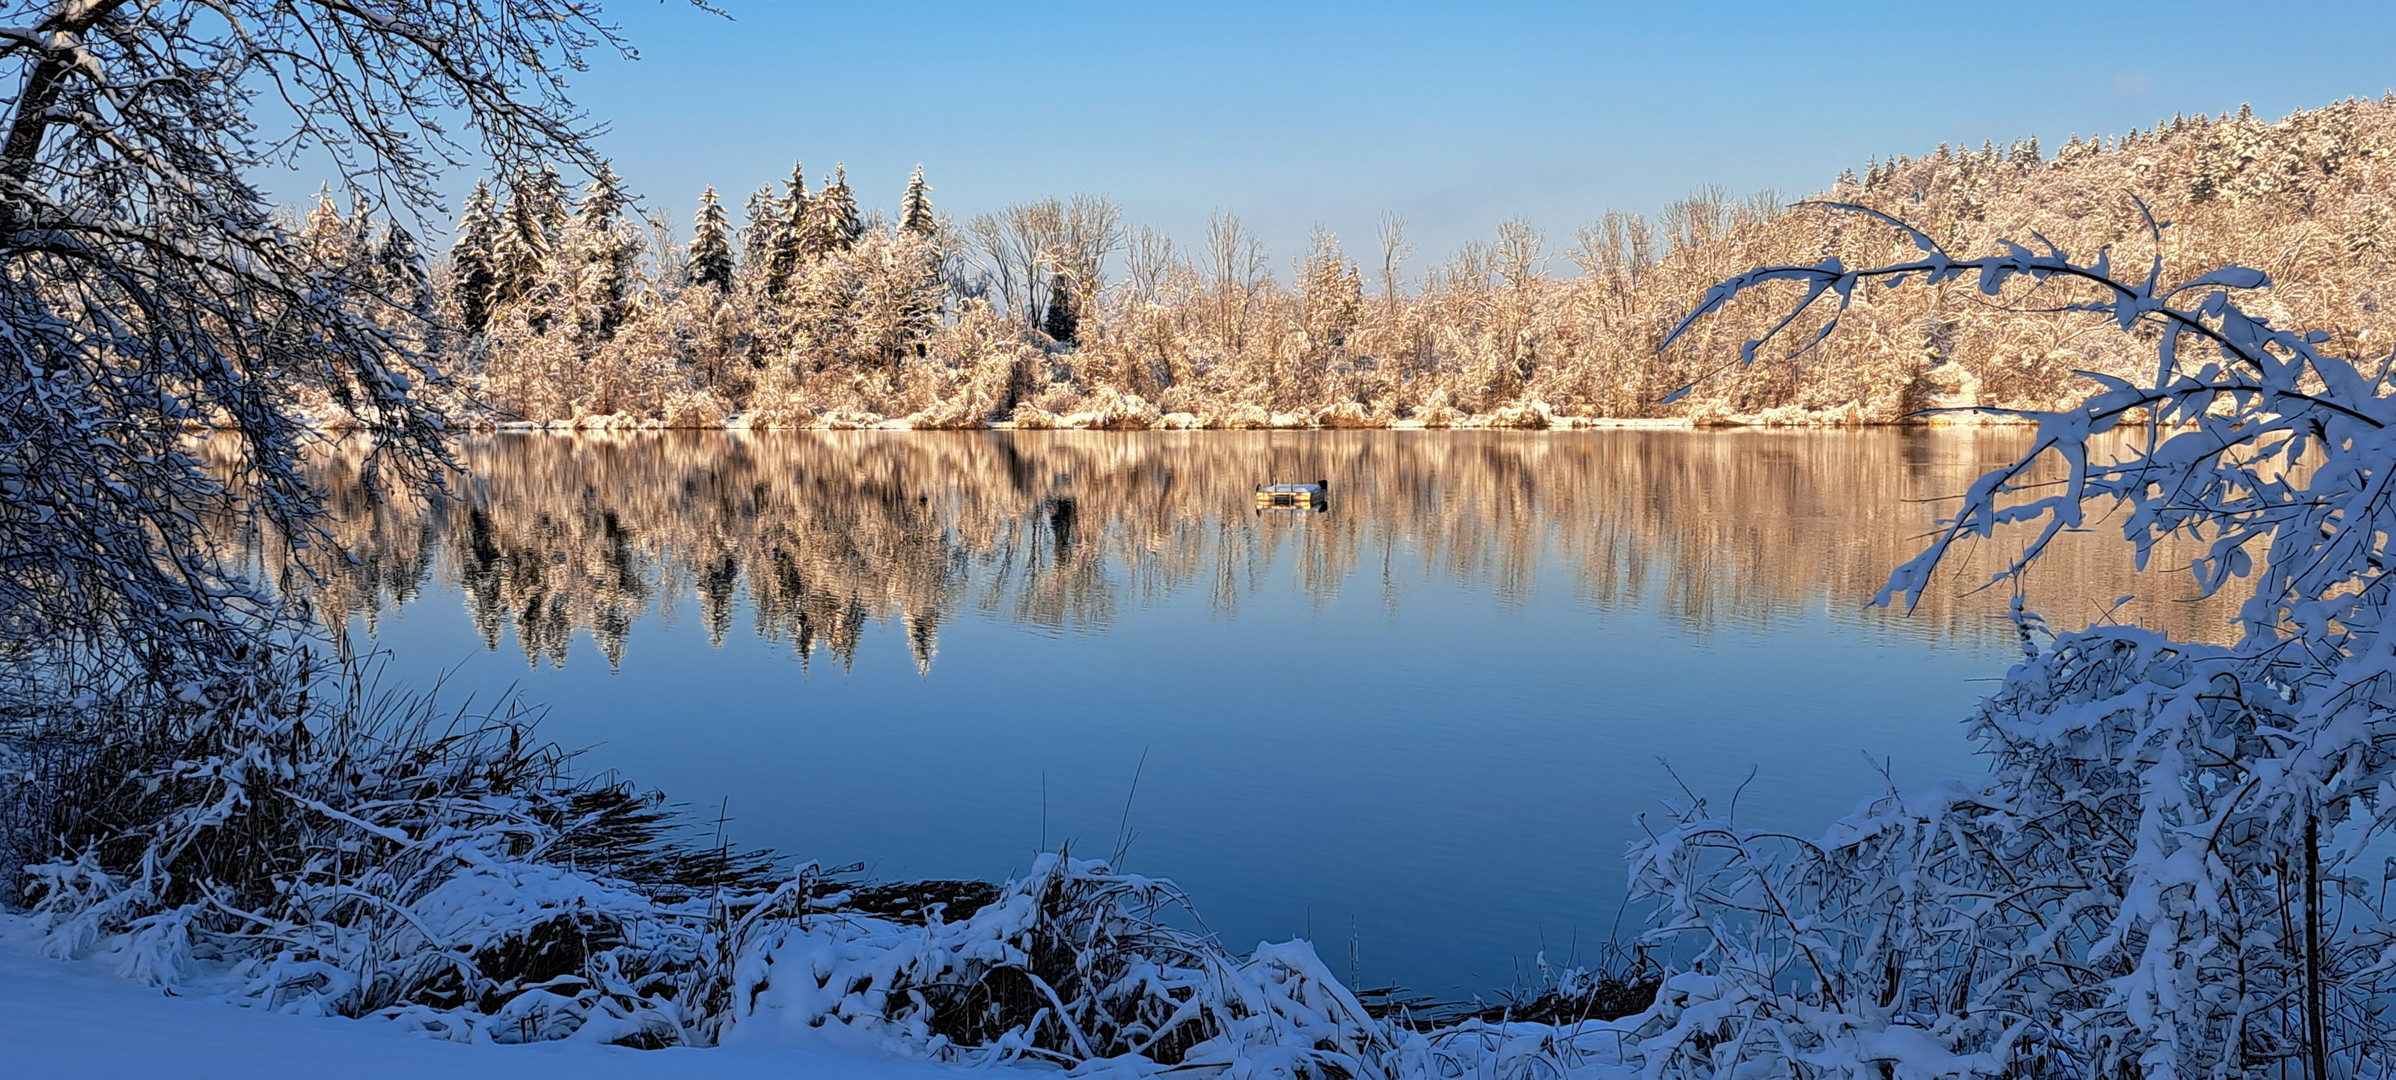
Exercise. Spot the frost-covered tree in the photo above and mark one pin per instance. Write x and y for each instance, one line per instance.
(915, 207)
(145, 284)
(787, 245)
(472, 273)
(2177, 867)
(399, 271)
(711, 260)
(761, 220)
(605, 251)
(832, 221)
(520, 257)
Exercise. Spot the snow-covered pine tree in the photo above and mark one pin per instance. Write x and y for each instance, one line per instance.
(787, 247)
(329, 237)
(761, 220)
(609, 253)
(399, 270)
(915, 207)
(471, 259)
(520, 256)
(833, 221)
(550, 208)
(711, 248)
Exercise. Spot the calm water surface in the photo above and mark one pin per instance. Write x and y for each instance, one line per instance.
(1418, 728)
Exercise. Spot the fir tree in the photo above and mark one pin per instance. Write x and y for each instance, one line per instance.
(399, 269)
(915, 208)
(521, 253)
(529, 231)
(603, 201)
(788, 246)
(547, 196)
(328, 237)
(836, 224)
(1061, 322)
(711, 249)
(609, 253)
(761, 219)
(471, 276)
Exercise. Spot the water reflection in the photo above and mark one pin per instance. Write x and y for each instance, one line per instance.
(1501, 632)
(818, 536)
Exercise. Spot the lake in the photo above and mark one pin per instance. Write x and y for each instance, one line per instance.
(1417, 728)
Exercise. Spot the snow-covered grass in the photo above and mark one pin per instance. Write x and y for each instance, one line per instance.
(83, 1018)
(287, 842)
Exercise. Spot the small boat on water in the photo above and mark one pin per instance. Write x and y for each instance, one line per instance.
(1314, 496)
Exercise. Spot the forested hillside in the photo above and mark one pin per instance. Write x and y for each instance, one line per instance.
(1054, 313)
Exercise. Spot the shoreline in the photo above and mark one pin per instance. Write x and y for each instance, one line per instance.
(1721, 422)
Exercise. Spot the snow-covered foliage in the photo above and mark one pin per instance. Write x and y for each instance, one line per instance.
(146, 285)
(307, 847)
(376, 858)
(2177, 867)
(1566, 326)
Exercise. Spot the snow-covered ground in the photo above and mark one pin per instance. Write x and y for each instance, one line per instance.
(81, 1019)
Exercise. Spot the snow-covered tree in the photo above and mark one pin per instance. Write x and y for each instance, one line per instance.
(606, 251)
(472, 273)
(833, 223)
(144, 282)
(2177, 865)
(787, 245)
(915, 207)
(711, 245)
(761, 220)
(527, 237)
(399, 272)
(1062, 321)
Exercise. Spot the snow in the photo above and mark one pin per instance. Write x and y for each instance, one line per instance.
(82, 1019)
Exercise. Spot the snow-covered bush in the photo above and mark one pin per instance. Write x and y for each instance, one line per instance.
(328, 851)
(1074, 963)
(2177, 865)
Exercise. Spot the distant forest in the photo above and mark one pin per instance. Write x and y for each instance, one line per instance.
(566, 307)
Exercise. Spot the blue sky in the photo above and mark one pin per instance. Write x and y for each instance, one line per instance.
(1458, 117)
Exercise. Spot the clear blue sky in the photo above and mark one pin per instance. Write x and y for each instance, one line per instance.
(1458, 117)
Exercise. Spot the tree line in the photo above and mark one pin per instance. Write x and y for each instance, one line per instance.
(816, 313)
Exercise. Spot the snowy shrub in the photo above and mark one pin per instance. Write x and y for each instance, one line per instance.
(1073, 964)
(2176, 867)
(360, 856)
(1349, 415)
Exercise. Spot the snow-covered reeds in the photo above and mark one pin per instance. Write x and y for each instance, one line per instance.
(305, 842)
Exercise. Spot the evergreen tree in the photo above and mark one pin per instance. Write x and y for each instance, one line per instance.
(399, 269)
(788, 246)
(1061, 322)
(530, 228)
(520, 255)
(761, 219)
(711, 249)
(835, 224)
(471, 275)
(548, 203)
(609, 252)
(915, 208)
(328, 237)
(603, 201)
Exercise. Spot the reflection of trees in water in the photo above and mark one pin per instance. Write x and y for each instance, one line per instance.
(823, 533)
